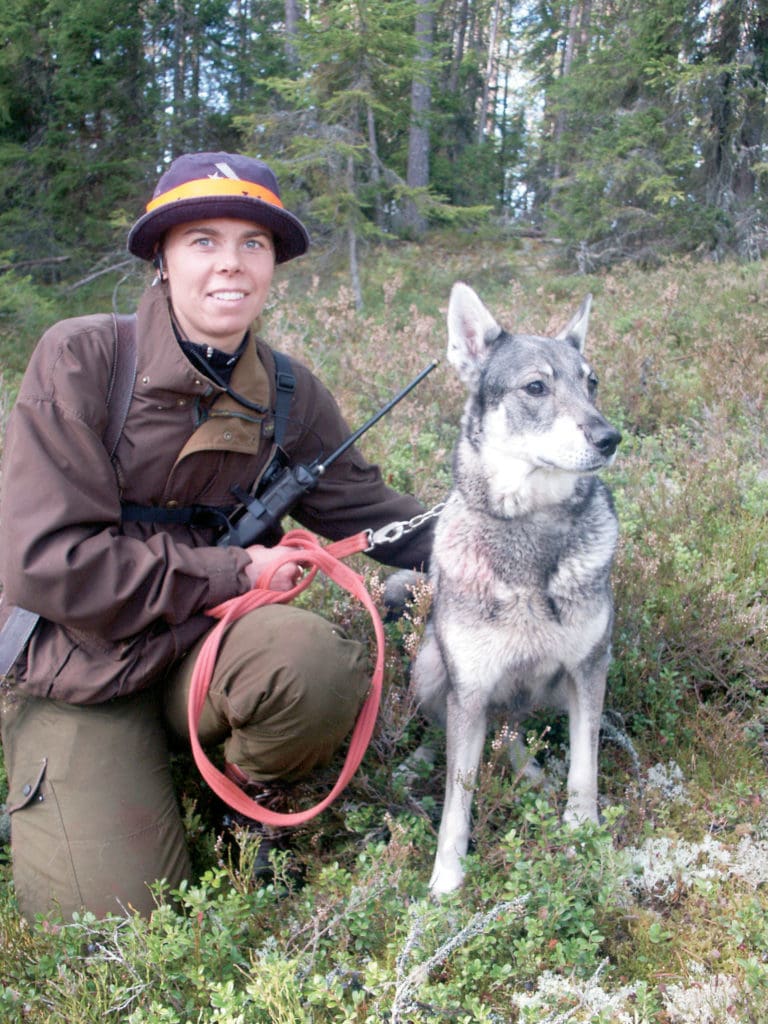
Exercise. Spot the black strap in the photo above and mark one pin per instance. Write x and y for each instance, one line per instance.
(285, 385)
(187, 515)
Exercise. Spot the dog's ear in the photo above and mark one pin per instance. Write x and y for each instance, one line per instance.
(576, 331)
(471, 333)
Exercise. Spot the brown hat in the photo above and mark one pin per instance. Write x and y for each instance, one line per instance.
(201, 185)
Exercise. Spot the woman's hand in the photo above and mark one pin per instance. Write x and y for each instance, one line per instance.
(285, 578)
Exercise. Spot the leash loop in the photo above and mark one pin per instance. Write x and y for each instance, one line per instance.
(302, 547)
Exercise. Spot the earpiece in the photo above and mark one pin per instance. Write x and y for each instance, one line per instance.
(157, 259)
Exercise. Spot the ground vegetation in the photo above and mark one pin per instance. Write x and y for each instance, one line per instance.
(657, 915)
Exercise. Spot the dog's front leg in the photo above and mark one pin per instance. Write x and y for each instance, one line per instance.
(465, 734)
(585, 707)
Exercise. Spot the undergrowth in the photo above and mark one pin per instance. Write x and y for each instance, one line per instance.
(658, 914)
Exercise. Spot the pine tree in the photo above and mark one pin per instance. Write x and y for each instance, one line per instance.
(73, 95)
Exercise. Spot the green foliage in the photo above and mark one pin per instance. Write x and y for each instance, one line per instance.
(650, 153)
(703, 588)
(72, 86)
(25, 312)
(570, 887)
(690, 490)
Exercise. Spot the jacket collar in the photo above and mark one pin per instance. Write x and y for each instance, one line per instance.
(162, 364)
(225, 424)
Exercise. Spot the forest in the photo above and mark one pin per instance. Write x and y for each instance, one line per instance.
(538, 151)
(627, 130)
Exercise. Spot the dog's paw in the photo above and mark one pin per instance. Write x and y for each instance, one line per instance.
(580, 810)
(446, 878)
(399, 590)
(525, 764)
(416, 765)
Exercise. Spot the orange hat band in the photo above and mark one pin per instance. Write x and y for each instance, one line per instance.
(202, 188)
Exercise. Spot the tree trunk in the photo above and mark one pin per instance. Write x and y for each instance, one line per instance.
(354, 265)
(375, 170)
(490, 64)
(418, 134)
(291, 23)
(179, 66)
(458, 51)
(560, 118)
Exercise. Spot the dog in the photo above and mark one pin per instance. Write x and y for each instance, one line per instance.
(522, 610)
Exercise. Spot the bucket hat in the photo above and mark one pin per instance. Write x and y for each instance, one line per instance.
(201, 185)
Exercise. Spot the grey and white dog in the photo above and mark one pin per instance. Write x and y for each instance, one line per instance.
(522, 608)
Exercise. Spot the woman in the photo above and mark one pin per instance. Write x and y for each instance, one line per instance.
(118, 556)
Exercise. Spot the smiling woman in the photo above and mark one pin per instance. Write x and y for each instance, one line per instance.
(119, 571)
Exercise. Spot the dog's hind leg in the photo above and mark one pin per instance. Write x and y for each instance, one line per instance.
(430, 677)
(465, 735)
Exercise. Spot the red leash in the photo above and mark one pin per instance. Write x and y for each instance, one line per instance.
(302, 547)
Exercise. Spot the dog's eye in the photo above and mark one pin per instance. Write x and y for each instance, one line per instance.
(536, 388)
(592, 383)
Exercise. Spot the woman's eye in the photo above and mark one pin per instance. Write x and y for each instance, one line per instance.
(536, 388)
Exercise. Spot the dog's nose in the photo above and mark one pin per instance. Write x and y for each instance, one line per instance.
(603, 436)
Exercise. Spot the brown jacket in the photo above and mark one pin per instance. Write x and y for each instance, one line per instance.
(119, 603)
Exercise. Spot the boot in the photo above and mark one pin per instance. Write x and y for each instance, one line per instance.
(277, 798)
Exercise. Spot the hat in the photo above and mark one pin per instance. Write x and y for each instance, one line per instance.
(201, 185)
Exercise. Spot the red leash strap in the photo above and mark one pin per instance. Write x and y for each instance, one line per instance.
(302, 547)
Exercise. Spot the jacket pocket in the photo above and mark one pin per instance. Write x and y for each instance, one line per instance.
(28, 788)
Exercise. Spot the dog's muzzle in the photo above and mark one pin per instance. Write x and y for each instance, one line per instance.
(603, 436)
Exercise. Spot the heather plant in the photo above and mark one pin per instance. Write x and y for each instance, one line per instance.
(690, 576)
(656, 915)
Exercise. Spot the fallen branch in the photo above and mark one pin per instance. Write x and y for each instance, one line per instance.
(99, 273)
(407, 985)
(28, 264)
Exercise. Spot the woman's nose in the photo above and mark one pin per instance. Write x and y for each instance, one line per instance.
(229, 259)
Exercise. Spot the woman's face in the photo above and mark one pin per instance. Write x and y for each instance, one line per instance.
(219, 272)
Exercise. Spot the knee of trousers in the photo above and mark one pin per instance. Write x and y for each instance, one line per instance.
(285, 692)
(94, 816)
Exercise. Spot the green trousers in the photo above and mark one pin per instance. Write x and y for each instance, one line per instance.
(94, 816)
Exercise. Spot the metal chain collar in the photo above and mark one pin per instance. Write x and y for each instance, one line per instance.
(393, 532)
